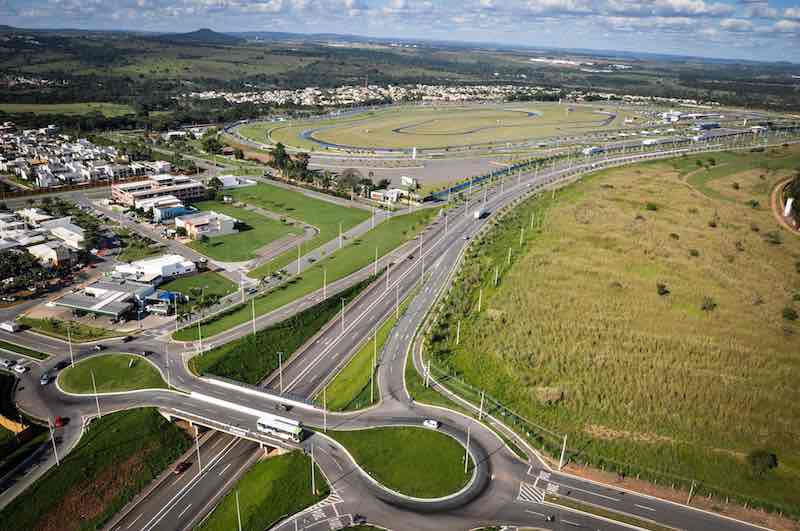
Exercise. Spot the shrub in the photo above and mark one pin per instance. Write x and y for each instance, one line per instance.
(708, 305)
(790, 314)
(753, 203)
(662, 289)
(739, 246)
(774, 237)
(674, 236)
(754, 227)
(694, 253)
(797, 266)
(693, 210)
(735, 186)
(651, 207)
(761, 461)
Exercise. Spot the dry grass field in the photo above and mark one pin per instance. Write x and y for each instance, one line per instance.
(648, 320)
(434, 127)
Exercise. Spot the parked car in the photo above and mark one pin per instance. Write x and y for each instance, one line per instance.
(7, 364)
(20, 369)
(432, 424)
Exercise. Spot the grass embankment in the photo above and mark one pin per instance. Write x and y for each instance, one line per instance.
(211, 282)
(259, 231)
(134, 247)
(108, 109)
(112, 373)
(253, 357)
(23, 351)
(414, 461)
(358, 254)
(271, 490)
(116, 457)
(351, 389)
(639, 282)
(57, 328)
(322, 214)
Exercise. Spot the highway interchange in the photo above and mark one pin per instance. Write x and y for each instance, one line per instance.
(504, 489)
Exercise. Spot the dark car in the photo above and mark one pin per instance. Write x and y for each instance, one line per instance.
(127, 339)
(61, 365)
(282, 407)
(182, 467)
(147, 353)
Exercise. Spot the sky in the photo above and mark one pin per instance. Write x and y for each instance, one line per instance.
(743, 29)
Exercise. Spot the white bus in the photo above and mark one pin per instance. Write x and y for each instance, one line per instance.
(280, 427)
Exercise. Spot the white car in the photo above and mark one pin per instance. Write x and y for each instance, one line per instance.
(20, 369)
(7, 364)
(432, 424)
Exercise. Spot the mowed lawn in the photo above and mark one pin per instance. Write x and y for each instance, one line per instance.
(259, 231)
(648, 320)
(211, 282)
(414, 461)
(116, 458)
(269, 491)
(112, 373)
(357, 254)
(324, 215)
(108, 109)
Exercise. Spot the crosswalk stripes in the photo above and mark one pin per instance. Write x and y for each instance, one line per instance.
(332, 499)
(529, 493)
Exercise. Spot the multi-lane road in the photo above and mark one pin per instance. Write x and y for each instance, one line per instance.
(504, 488)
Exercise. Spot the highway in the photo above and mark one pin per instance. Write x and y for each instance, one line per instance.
(504, 489)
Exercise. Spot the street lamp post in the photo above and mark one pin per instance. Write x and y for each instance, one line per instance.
(280, 370)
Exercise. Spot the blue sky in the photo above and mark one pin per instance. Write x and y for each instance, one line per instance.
(749, 29)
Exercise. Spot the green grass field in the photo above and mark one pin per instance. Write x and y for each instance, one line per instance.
(324, 215)
(108, 109)
(414, 461)
(646, 320)
(112, 373)
(134, 247)
(211, 282)
(253, 357)
(116, 457)
(243, 245)
(13, 347)
(439, 127)
(357, 254)
(57, 328)
(271, 490)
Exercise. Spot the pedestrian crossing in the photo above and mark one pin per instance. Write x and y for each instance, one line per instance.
(529, 493)
(331, 500)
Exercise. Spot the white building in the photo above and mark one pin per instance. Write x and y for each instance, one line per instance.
(34, 216)
(66, 231)
(51, 254)
(156, 270)
(206, 224)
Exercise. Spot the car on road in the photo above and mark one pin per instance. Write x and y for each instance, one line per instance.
(147, 353)
(7, 364)
(282, 407)
(46, 378)
(127, 339)
(432, 424)
(98, 348)
(466, 237)
(182, 467)
(63, 364)
(20, 369)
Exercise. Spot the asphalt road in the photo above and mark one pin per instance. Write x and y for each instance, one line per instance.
(504, 489)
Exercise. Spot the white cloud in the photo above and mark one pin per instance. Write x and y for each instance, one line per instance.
(792, 13)
(736, 24)
(787, 26)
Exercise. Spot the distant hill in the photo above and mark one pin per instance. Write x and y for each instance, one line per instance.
(201, 36)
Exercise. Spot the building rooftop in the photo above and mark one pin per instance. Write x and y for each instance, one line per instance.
(107, 297)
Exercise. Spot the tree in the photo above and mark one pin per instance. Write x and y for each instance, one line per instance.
(215, 184)
(181, 232)
(761, 461)
(238, 154)
(211, 144)
(383, 184)
(279, 156)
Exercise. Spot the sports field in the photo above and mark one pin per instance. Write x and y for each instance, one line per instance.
(108, 109)
(441, 127)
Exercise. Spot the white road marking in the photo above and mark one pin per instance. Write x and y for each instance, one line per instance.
(644, 507)
(221, 472)
(135, 520)
(184, 511)
(571, 523)
(568, 487)
(534, 512)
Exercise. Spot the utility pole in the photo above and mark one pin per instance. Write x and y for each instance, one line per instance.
(340, 235)
(325, 409)
(241, 284)
(458, 332)
(96, 398)
(197, 446)
(253, 311)
(53, 440)
(69, 341)
(428, 375)
(166, 359)
(496, 272)
(397, 301)
(445, 222)
(313, 479)
(508, 260)
(480, 411)
(280, 370)
(466, 450)
(375, 269)
(372, 374)
(324, 283)
(563, 451)
(200, 335)
(480, 299)
(238, 511)
(343, 315)
(298, 258)
(521, 235)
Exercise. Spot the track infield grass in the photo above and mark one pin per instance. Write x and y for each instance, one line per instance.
(670, 279)
(358, 254)
(211, 282)
(112, 374)
(416, 462)
(270, 490)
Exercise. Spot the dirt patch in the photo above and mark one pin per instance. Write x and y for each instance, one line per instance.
(679, 496)
(604, 432)
(88, 500)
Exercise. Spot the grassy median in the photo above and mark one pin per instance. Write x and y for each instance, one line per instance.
(23, 351)
(413, 461)
(112, 373)
(358, 254)
(116, 457)
(57, 328)
(271, 490)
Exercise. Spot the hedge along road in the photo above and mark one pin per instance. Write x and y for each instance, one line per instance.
(359, 254)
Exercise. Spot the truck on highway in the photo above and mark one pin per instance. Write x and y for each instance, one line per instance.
(594, 150)
(10, 326)
(480, 213)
